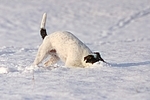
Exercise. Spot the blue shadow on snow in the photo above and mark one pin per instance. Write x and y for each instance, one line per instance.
(129, 64)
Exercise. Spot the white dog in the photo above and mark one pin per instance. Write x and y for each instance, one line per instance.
(64, 46)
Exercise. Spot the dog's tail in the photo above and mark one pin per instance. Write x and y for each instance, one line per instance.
(43, 29)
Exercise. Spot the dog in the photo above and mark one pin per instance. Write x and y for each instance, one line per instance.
(64, 46)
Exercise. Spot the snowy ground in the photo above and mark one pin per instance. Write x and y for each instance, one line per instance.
(120, 30)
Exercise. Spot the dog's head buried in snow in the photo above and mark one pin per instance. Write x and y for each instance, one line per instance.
(64, 46)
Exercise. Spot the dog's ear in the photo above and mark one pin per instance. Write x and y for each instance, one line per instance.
(98, 56)
(90, 59)
(93, 58)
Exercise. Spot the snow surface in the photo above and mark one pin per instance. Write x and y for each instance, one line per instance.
(119, 29)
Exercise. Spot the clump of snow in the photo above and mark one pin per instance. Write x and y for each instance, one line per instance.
(3, 70)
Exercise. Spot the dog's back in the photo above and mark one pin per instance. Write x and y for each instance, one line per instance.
(69, 48)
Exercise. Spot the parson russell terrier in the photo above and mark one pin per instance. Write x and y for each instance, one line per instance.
(64, 46)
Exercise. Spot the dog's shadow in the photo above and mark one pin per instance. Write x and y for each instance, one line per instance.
(129, 64)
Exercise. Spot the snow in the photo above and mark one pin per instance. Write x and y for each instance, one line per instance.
(119, 30)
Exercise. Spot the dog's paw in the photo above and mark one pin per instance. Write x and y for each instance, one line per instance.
(46, 64)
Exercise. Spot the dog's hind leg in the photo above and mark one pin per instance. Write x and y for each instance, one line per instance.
(41, 54)
(43, 51)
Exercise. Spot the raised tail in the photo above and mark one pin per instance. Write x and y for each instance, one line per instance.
(43, 23)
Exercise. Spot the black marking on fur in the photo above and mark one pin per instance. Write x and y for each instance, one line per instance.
(99, 56)
(92, 59)
(43, 33)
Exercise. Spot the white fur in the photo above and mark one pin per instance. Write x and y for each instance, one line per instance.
(43, 22)
(64, 46)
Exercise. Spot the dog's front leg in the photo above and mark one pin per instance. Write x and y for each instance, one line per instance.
(52, 60)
